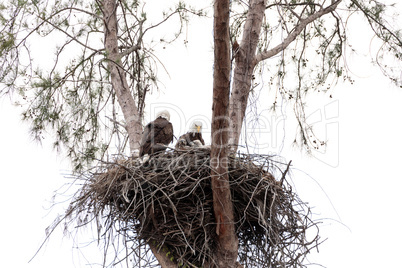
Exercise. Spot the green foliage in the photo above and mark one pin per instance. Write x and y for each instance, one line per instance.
(7, 42)
(384, 25)
(316, 59)
(75, 120)
(70, 96)
(66, 91)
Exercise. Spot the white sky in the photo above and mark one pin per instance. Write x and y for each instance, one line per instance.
(354, 187)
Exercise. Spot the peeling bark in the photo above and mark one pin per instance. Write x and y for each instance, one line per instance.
(244, 67)
(118, 78)
(226, 254)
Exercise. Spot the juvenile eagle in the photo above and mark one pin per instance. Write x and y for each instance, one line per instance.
(192, 138)
(157, 134)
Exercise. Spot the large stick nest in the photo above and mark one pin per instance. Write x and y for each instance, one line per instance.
(167, 202)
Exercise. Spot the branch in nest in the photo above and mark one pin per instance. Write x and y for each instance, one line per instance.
(168, 199)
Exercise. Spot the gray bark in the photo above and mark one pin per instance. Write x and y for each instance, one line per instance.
(118, 77)
(243, 71)
(246, 59)
(124, 96)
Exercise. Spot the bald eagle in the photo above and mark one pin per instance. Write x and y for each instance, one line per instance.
(192, 138)
(157, 134)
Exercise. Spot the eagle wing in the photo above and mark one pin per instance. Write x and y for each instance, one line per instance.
(145, 145)
(181, 142)
(194, 136)
(159, 131)
(198, 136)
(187, 140)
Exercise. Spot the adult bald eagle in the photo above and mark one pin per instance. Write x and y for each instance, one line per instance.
(157, 134)
(191, 137)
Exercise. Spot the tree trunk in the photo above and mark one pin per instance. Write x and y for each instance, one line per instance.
(244, 67)
(124, 97)
(246, 59)
(226, 254)
(163, 260)
(118, 77)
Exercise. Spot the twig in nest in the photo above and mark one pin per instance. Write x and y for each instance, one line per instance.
(168, 201)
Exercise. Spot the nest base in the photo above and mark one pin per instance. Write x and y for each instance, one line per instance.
(167, 201)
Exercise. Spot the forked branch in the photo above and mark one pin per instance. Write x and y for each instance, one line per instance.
(295, 32)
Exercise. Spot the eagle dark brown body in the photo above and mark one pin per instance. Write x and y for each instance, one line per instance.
(191, 136)
(186, 140)
(156, 134)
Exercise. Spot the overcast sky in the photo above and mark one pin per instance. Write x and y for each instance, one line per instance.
(354, 187)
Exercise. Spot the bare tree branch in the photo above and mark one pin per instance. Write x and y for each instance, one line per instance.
(382, 26)
(81, 10)
(296, 31)
(130, 50)
(69, 35)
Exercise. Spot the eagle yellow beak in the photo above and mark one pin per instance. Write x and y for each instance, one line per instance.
(198, 128)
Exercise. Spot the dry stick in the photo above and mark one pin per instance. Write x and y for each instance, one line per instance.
(277, 218)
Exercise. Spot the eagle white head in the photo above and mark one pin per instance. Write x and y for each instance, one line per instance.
(164, 114)
(196, 127)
